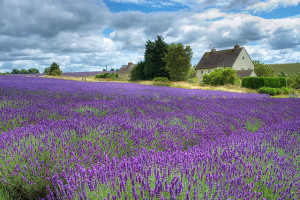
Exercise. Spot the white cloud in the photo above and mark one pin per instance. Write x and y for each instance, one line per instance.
(270, 5)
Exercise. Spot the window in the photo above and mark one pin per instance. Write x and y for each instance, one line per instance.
(243, 57)
(242, 68)
(249, 69)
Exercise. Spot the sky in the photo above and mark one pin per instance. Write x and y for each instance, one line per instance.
(88, 35)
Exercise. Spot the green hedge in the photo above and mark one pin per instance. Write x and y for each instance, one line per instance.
(258, 82)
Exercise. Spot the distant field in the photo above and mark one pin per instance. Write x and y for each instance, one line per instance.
(289, 68)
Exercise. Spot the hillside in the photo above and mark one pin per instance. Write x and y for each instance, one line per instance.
(289, 68)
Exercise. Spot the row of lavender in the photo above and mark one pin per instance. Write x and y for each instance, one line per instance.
(74, 140)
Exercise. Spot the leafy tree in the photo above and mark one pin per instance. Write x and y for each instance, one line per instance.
(137, 73)
(294, 81)
(104, 70)
(154, 64)
(112, 69)
(262, 70)
(282, 74)
(220, 76)
(15, 71)
(24, 71)
(33, 71)
(178, 61)
(47, 70)
(53, 70)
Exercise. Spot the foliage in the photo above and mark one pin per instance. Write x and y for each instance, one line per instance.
(220, 76)
(154, 64)
(33, 71)
(24, 71)
(262, 70)
(47, 70)
(270, 91)
(192, 80)
(112, 76)
(15, 71)
(282, 74)
(112, 69)
(161, 79)
(178, 61)
(192, 72)
(138, 72)
(294, 81)
(6, 73)
(104, 70)
(53, 70)
(258, 82)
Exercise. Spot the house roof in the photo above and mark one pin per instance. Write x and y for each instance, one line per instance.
(244, 73)
(223, 58)
(126, 68)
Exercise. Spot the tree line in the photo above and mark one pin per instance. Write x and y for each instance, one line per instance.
(25, 71)
(172, 61)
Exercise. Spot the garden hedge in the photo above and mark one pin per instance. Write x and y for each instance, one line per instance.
(258, 82)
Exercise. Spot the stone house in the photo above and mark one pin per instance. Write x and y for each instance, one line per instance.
(237, 58)
(124, 71)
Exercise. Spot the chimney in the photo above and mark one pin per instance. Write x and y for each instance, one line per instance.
(130, 63)
(213, 49)
(236, 46)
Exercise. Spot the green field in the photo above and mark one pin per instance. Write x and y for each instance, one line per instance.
(289, 68)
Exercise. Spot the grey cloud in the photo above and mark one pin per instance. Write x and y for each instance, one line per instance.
(48, 18)
(284, 39)
(250, 31)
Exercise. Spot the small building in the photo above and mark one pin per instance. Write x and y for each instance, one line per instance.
(124, 71)
(237, 58)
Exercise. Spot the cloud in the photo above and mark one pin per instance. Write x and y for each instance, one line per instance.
(270, 5)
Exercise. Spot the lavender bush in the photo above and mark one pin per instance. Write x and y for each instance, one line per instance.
(73, 140)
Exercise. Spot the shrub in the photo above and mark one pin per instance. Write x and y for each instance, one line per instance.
(220, 76)
(270, 91)
(192, 80)
(161, 79)
(258, 82)
(285, 90)
(112, 76)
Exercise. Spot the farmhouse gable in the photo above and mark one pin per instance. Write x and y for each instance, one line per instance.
(236, 58)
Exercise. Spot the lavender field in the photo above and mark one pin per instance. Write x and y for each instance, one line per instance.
(76, 140)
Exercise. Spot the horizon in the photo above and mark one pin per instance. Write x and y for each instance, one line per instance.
(85, 36)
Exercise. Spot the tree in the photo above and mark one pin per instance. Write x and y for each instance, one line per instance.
(24, 71)
(47, 70)
(53, 70)
(154, 64)
(294, 81)
(112, 69)
(220, 76)
(137, 73)
(282, 74)
(262, 70)
(178, 61)
(33, 71)
(15, 71)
